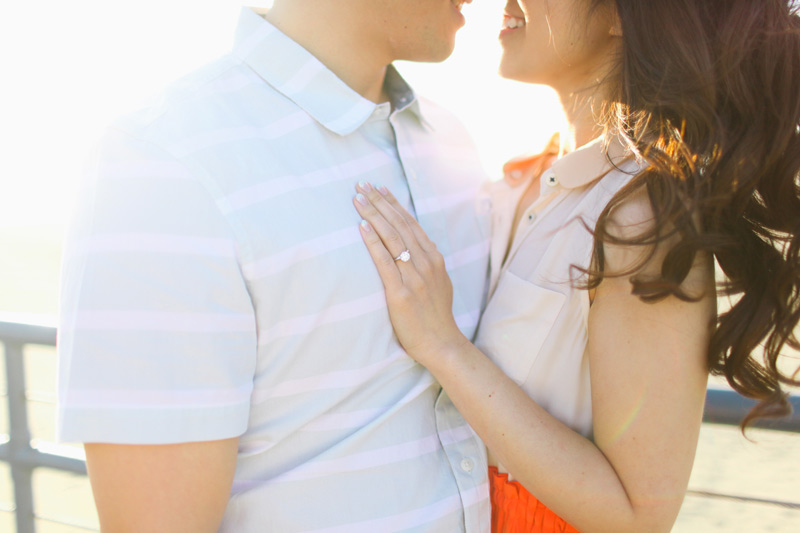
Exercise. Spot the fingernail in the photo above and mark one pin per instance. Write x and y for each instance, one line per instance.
(365, 226)
(383, 190)
(365, 186)
(360, 198)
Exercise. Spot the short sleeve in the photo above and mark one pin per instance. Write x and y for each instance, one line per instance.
(157, 333)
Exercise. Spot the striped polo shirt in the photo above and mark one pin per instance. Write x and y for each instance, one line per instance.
(215, 285)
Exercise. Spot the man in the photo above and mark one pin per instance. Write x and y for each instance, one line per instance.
(226, 352)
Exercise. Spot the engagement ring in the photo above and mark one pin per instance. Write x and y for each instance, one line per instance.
(405, 256)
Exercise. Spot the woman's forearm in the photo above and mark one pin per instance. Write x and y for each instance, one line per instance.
(563, 469)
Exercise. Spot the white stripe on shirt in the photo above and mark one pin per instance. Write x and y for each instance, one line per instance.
(156, 243)
(440, 203)
(354, 419)
(363, 460)
(205, 140)
(402, 521)
(162, 321)
(147, 169)
(467, 255)
(121, 398)
(331, 380)
(303, 251)
(458, 434)
(303, 325)
(285, 184)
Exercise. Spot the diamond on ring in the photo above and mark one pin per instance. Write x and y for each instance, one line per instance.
(405, 256)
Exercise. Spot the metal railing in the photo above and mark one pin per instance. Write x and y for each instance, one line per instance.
(17, 451)
(722, 407)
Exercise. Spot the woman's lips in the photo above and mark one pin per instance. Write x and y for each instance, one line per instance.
(511, 23)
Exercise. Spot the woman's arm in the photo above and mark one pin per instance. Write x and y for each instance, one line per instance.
(647, 373)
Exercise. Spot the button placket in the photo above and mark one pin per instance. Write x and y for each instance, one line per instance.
(531, 219)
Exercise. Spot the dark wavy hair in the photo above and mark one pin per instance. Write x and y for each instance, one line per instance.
(708, 93)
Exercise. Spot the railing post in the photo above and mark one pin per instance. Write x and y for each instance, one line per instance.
(19, 436)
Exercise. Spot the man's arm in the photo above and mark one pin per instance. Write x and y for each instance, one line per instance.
(161, 488)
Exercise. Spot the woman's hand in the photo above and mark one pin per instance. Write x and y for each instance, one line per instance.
(419, 293)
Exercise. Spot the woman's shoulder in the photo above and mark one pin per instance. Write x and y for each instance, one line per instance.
(632, 216)
(522, 168)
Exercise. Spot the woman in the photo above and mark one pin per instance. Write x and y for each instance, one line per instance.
(589, 370)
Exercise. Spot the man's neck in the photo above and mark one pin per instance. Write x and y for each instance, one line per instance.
(337, 40)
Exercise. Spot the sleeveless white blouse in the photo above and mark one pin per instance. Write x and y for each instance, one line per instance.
(535, 325)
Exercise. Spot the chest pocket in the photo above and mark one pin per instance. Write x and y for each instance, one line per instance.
(515, 324)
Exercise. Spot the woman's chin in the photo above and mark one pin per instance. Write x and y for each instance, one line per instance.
(514, 72)
(526, 71)
(505, 70)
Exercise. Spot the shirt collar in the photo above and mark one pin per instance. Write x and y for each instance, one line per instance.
(297, 74)
(585, 165)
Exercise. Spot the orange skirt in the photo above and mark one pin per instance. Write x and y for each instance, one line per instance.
(515, 510)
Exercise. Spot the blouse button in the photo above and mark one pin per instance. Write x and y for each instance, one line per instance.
(531, 218)
(552, 180)
(467, 464)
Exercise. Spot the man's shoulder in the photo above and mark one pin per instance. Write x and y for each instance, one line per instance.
(448, 131)
(440, 117)
(216, 96)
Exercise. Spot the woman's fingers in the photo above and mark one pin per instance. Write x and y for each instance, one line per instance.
(395, 255)
(390, 225)
(419, 233)
(389, 235)
(383, 259)
(431, 263)
(389, 212)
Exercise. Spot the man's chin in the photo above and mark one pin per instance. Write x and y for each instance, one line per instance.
(432, 56)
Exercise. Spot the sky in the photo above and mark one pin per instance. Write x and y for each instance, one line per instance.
(76, 65)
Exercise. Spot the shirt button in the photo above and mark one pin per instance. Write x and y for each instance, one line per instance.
(531, 218)
(467, 464)
(552, 180)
